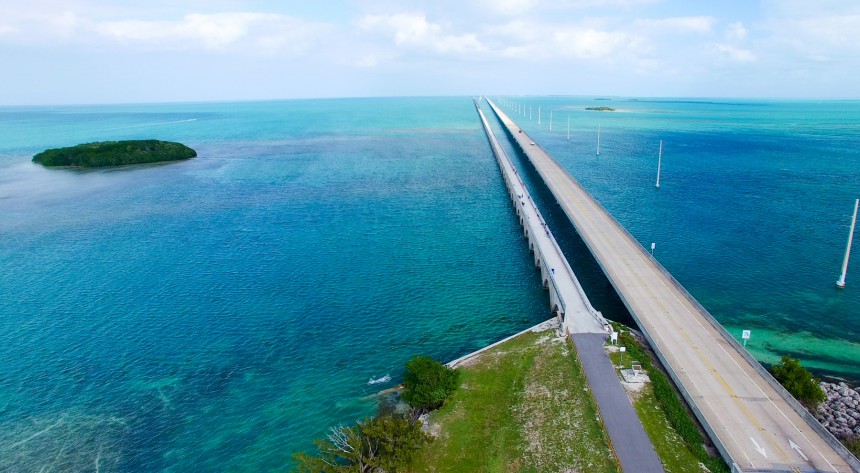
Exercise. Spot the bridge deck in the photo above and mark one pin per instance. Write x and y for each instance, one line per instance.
(750, 421)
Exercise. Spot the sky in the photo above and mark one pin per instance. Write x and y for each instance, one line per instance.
(123, 51)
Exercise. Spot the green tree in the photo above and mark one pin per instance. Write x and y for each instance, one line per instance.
(381, 444)
(428, 383)
(798, 381)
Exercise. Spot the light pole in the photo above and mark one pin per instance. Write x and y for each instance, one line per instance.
(653, 245)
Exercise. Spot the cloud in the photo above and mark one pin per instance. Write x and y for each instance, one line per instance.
(508, 7)
(680, 24)
(263, 32)
(734, 54)
(251, 32)
(590, 43)
(822, 31)
(736, 32)
(413, 31)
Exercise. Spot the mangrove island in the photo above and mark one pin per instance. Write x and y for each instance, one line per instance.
(115, 153)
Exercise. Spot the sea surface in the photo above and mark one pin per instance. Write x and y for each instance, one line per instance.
(218, 314)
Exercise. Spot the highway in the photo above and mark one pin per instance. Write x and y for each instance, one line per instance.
(751, 422)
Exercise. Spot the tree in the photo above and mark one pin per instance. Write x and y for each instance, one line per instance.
(798, 381)
(373, 445)
(428, 383)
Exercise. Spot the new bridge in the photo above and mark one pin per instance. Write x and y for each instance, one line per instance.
(756, 425)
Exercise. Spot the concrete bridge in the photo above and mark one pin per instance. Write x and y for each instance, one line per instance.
(567, 299)
(756, 425)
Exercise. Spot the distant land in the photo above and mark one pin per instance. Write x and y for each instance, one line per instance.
(601, 109)
(115, 153)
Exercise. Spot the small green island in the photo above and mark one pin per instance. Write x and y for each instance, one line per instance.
(601, 109)
(115, 153)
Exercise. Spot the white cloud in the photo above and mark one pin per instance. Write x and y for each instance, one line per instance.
(507, 7)
(591, 43)
(263, 32)
(680, 24)
(735, 54)
(252, 32)
(736, 32)
(412, 30)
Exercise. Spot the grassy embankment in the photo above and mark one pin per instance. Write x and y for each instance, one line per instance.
(523, 406)
(669, 425)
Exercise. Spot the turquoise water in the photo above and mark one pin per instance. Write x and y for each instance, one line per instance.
(217, 314)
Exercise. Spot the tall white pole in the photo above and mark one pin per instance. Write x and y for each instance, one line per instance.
(550, 120)
(659, 160)
(598, 139)
(841, 282)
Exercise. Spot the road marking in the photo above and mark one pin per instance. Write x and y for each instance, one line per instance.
(758, 448)
(796, 447)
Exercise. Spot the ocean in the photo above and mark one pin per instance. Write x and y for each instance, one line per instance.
(219, 313)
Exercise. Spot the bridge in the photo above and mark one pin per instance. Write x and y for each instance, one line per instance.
(566, 296)
(586, 326)
(755, 424)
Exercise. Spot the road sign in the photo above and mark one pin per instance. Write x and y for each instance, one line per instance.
(746, 336)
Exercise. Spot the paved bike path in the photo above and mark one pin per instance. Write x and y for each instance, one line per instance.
(629, 439)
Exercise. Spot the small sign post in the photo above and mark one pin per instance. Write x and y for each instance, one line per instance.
(746, 336)
(653, 245)
(622, 350)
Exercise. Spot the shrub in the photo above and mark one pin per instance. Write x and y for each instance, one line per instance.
(428, 383)
(798, 381)
(373, 445)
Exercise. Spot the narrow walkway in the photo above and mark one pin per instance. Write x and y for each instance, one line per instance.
(629, 439)
(578, 314)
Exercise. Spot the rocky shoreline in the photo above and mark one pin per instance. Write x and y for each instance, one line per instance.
(840, 413)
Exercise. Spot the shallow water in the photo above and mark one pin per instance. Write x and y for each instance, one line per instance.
(219, 313)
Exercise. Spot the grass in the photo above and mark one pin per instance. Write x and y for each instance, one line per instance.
(523, 406)
(674, 455)
(666, 420)
(853, 445)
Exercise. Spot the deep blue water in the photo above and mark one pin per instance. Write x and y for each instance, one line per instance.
(219, 313)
